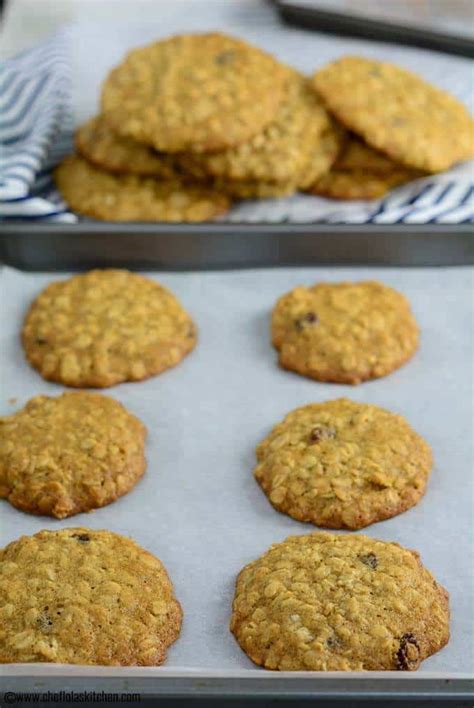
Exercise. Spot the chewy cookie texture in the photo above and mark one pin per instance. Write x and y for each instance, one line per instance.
(198, 92)
(278, 155)
(98, 144)
(94, 192)
(77, 452)
(342, 464)
(360, 172)
(397, 112)
(193, 121)
(328, 602)
(81, 596)
(344, 332)
(106, 326)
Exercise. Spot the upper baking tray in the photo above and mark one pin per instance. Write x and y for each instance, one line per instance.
(422, 29)
(43, 247)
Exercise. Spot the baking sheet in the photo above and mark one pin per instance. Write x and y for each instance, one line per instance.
(198, 507)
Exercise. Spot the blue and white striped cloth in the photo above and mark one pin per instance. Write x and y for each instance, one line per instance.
(36, 131)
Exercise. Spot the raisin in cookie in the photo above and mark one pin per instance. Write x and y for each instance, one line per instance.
(81, 596)
(198, 92)
(397, 112)
(104, 327)
(342, 464)
(328, 602)
(77, 452)
(344, 332)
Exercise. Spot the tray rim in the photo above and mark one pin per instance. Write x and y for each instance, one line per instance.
(211, 246)
(9, 227)
(322, 19)
(252, 682)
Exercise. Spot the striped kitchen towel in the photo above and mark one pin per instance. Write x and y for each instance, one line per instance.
(36, 131)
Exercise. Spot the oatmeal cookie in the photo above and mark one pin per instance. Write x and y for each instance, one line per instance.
(359, 183)
(279, 152)
(357, 155)
(320, 151)
(120, 197)
(197, 92)
(322, 156)
(104, 327)
(327, 602)
(344, 332)
(397, 112)
(76, 452)
(342, 464)
(81, 596)
(99, 145)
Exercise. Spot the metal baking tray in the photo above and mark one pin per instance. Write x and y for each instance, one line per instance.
(42, 247)
(347, 22)
(198, 507)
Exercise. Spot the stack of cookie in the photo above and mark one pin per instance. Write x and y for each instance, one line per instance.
(400, 128)
(191, 122)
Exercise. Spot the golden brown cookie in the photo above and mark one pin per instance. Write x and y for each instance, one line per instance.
(344, 332)
(359, 183)
(279, 152)
(321, 149)
(99, 145)
(81, 596)
(357, 155)
(341, 464)
(254, 189)
(327, 602)
(106, 326)
(322, 156)
(198, 92)
(397, 112)
(77, 452)
(113, 197)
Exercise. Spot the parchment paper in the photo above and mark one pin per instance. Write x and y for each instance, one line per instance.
(198, 507)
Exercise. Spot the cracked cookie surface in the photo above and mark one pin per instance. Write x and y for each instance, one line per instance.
(397, 112)
(104, 327)
(344, 332)
(96, 193)
(81, 596)
(98, 144)
(342, 464)
(77, 452)
(326, 602)
(198, 92)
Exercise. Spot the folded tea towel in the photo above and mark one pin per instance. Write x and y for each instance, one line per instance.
(35, 130)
